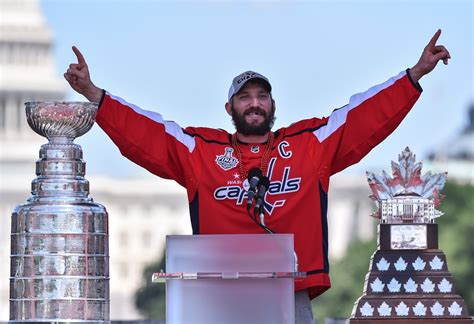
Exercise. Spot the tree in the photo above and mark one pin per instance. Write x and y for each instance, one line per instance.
(347, 278)
(150, 299)
(455, 229)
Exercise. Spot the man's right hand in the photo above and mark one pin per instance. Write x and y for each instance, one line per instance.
(80, 80)
(430, 56)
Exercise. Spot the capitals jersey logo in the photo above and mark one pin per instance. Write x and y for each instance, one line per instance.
(277, 186)
(227, 161)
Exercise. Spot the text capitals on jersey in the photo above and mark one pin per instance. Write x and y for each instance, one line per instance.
(277, 186)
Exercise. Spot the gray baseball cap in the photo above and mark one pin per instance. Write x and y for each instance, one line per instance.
(240, 80)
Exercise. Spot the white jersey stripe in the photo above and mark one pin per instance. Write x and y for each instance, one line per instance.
(171, 127)
(338, 117)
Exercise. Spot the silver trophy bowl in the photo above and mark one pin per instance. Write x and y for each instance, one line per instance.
(53, 119)
(59, 265)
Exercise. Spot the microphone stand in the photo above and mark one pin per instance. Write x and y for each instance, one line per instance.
(262, 224)
(259, 209)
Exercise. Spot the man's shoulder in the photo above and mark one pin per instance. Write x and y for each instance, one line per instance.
(211, 135)
(303, 126)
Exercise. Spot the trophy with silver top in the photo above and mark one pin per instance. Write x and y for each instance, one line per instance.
(59, 237)
(406, 204)
(408, 279)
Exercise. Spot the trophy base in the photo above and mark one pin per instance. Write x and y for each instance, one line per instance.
(409, 286)
(411, 321)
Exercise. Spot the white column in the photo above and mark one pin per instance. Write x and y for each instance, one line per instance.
(10, 115)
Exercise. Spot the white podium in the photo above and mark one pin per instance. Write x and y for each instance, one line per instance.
(245, 278)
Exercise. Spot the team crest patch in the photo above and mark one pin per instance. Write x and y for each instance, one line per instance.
(227, 161)
(255, 149)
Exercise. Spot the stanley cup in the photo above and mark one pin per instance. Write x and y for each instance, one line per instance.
(59, 238)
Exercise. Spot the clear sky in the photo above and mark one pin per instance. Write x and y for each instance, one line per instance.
(179, 57)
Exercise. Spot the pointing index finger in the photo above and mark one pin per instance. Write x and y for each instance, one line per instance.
(80, 58)
(434, 39)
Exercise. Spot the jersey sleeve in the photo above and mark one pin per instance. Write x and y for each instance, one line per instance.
(144, 137)
(350, 132)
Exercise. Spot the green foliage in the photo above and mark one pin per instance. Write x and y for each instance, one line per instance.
(455, 228)
(150, 299)
(347, 278)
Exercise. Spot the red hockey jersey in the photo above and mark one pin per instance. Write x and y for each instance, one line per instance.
(302, 159)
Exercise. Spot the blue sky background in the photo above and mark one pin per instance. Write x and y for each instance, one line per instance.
(179, 57)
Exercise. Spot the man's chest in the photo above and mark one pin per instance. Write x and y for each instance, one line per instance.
(224, 171)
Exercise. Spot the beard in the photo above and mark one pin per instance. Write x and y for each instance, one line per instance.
(245, 128)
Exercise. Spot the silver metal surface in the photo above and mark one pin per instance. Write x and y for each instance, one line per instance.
(59, 265)
(407, 197)
(60, 118)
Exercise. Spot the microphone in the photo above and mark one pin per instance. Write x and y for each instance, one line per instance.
(262, 189)
(253, 177)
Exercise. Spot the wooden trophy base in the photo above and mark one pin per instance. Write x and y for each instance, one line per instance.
(409, 285)
(413, 321)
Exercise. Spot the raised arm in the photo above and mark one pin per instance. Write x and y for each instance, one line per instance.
(355, 129)
(142, 136)
(78, 77)
(431, 55)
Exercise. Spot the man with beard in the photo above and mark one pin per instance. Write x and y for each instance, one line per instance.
(296, 161)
